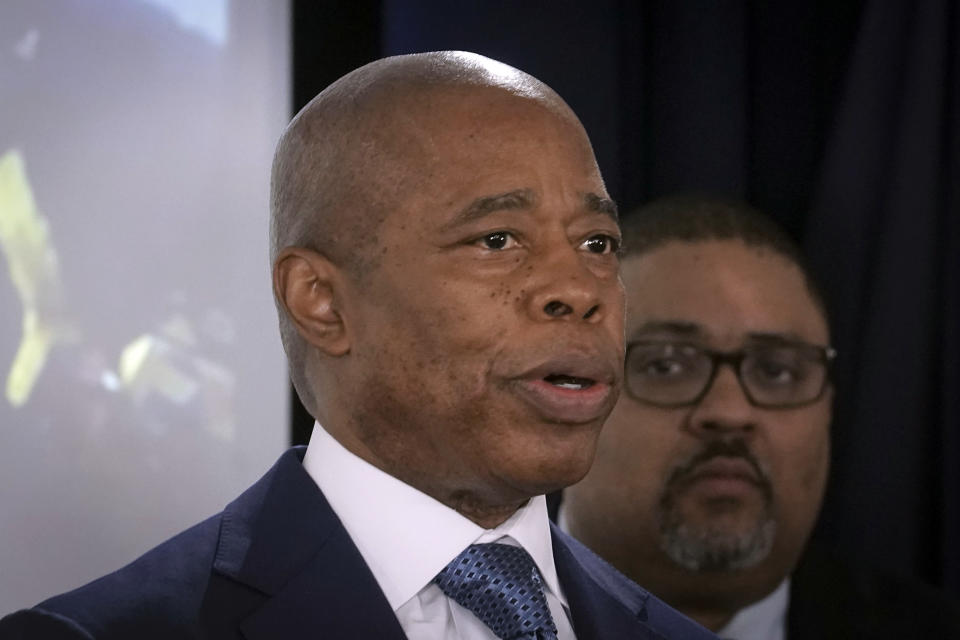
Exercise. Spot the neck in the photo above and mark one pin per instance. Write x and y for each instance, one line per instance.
(486, 511)
(714, 603)
(713, 619)
(482, 513)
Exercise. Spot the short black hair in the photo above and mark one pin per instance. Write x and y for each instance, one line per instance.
(698, 218)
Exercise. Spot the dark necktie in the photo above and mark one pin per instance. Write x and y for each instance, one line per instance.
(501, 585)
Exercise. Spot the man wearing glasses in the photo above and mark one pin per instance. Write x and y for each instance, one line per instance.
(711, 470)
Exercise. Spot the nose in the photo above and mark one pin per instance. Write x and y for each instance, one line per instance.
(724, 410)
(564, 288)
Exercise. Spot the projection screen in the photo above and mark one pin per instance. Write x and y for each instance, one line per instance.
(142, 383)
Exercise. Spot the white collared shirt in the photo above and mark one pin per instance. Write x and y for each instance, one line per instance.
(763, 620)
(406, 538)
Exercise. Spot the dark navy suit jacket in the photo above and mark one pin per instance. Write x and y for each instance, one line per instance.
(277, 563)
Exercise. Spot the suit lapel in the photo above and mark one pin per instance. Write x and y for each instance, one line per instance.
(282, 538)
(599, 607)
(334, 597)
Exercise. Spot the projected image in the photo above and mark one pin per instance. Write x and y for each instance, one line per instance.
(143, 384)
(34, 273)
(164, 367)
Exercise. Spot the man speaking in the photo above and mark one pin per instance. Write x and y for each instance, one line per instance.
(445, 266)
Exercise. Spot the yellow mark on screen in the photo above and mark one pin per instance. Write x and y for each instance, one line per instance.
(35, 273)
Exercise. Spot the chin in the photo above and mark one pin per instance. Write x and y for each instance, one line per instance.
(555, 469)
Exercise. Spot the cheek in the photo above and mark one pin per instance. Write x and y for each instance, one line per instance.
(439, 340)
(462, 337)
(803, 463)
(476, 316)
(438, 315)
(635, 450)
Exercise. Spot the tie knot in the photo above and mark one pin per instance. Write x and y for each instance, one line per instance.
(501, 585)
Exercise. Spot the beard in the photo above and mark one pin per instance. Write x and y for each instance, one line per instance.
(710, 546)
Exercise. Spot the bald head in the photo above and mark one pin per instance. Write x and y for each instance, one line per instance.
(358, 145)
(367, 142)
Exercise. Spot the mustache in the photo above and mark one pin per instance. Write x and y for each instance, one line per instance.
(736, 448)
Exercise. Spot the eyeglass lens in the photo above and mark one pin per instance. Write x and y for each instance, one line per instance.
(676, 374)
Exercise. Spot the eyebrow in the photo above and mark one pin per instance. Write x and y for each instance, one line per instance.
(694, 330)
(520, 199)
(686, 329)
(599, 204)
(485, 205)
(775, 338)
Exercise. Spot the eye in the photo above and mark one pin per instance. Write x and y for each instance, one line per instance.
(666, 363)
(663, 368)
(498, 241)
(601, 243)
(776, 373)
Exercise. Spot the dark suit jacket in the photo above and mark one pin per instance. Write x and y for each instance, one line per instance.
(277, 563)
(830, 599)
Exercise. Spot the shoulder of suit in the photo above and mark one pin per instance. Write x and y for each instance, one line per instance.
(184, 587)
(152, 597)
(39, 623)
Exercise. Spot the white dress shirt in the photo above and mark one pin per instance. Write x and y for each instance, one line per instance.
(763, 620)
(406, 538)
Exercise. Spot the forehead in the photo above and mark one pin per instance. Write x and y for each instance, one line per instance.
(445, 135)
(725, 289)
(447, 148)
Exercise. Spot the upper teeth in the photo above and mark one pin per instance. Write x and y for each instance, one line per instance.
(567, 382)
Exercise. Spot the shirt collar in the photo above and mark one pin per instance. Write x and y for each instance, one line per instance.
(405, 536)
(763, 619)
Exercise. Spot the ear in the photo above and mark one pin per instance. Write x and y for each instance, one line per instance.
(306, 284)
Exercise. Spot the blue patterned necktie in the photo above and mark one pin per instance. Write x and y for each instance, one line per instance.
(501, 585)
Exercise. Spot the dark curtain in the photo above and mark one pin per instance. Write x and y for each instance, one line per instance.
(837, 118)
(885, 234)
(330, 38)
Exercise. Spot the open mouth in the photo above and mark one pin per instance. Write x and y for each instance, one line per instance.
(569, 382)
(574, 387)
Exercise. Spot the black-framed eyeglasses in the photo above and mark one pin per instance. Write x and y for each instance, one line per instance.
(780, 375)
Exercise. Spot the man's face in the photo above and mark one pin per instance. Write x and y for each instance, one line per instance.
(487, 343)
(720, 487)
